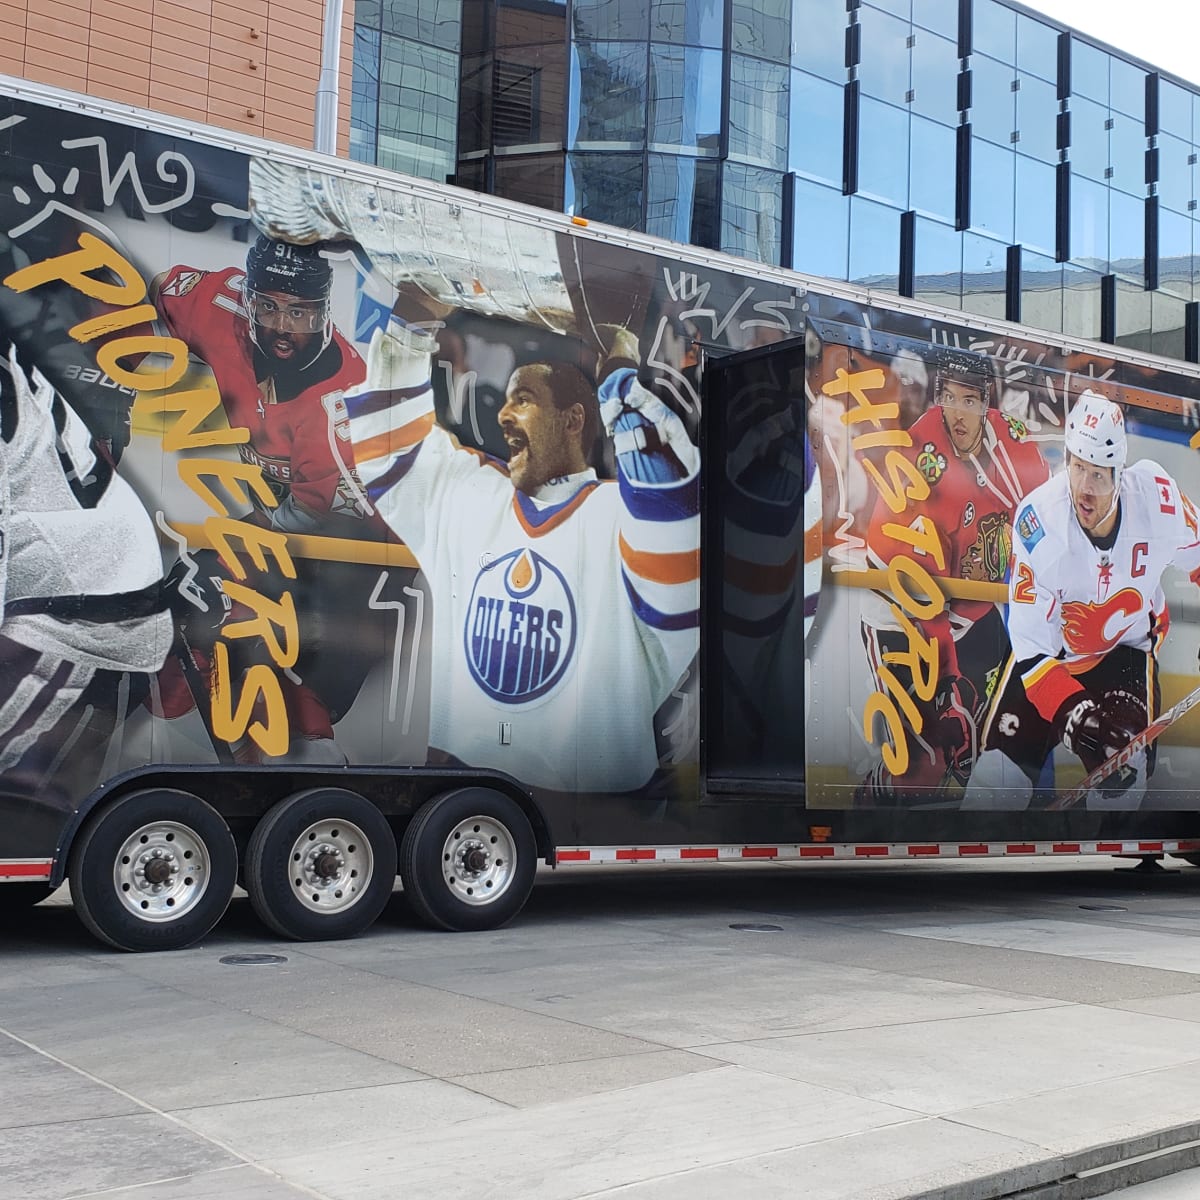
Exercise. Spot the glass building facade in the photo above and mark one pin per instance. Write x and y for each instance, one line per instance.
(967, 152)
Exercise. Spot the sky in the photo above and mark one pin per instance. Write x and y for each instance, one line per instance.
(1166, 33)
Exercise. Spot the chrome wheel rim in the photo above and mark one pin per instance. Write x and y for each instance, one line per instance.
(162, 871)
(479, 859)
(330, 865)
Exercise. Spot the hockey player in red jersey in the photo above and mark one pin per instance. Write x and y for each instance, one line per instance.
(978, 464)
(282, 368)
(1086, 617)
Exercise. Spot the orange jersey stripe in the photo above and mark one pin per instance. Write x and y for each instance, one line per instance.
(681, 566)
(812, 543)
(382, 445)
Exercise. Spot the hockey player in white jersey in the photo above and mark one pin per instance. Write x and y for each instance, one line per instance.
(81, 594)
(1087, 614)
(565, 608)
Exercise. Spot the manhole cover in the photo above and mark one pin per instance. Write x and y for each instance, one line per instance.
(748, 928)
(253, 960)
(1104, 907)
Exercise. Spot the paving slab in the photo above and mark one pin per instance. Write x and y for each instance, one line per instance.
(226, 1183)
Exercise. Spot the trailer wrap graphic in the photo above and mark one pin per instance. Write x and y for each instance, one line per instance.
(304, 470)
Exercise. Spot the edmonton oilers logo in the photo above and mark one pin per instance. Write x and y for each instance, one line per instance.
(520, 631)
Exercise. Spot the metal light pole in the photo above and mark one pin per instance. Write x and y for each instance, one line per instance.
(326, 113)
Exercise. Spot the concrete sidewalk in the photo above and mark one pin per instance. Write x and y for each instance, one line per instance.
(953, 1030)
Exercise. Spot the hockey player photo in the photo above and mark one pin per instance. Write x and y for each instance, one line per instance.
(82, 606)
(565, 608)
(978, 464)
(1087, 616)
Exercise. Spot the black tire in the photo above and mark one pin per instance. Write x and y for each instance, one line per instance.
(16, 898)
(467, 860)
(321, 865)
(137, 912)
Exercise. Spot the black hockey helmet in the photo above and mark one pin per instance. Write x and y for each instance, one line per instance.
(950, 363)
(300, 272)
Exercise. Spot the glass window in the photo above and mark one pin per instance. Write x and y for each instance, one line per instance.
(1035, 204)
(1037, 118)
(1175, 172)
(608, 95)
(1127, 153)
(883, 71)
(368, 12)
(1037, 48)
(1168, 316)
(1127, 235)
(610, 20)
(605, 187)
(821, 237)
(364, 95)
(938, 264)
(531, 178)
(993, 105)
(418, 118)
(1133, 316)
(752, 213)
(815, 128)
(762, 28)
(1174, 109)
(1089, 71)
(1041, 292)
(1089, 223)
(432, 22)
(529, 95)
(938, 15)
(475, 103)
(1081, 302)
(995, 30)
(993, 188)
(681, 199)
(1127, 88)
(898, 8)
(931, 176)
(1175, 253)
(692, 22)
(685, 99)
(874, 244)
(935, 77)
(883, 152)
(1089, 138)
(822, 49)
(518, 26)
(758, 111)
(985, 272)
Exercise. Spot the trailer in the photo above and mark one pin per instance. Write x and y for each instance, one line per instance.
(355, 527)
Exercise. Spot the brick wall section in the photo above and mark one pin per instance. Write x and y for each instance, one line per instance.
(249, 65)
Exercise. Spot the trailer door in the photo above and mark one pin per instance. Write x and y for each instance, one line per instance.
(762, 570)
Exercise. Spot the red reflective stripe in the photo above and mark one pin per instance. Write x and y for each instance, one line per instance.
(870, 851)
(760, 851)
(1150, 846)
(636, 855)
(699, 852)
(915, 851)
(817, 851)
(573, 855)
(976, 849)
(1109, 847)
(25, 870)
(1065, 848)
(1021, 848)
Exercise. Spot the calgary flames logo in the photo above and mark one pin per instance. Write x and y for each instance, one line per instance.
(1088, 628)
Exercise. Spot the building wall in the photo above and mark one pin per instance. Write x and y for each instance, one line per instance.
(248, 65)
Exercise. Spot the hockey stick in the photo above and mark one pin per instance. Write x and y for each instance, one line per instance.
(1150, 734)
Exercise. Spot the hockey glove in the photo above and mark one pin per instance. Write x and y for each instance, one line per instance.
(1095, 733)
(651, 443)
(954, 724)
(196, 596)
(398, 358)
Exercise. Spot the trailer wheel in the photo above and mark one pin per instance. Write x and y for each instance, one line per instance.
(153, 871)
(321, 865)
(467, 860)
(18, 897)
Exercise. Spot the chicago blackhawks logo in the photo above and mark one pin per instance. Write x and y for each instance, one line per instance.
(930, 463)
(1017, 429)
(987, 558)
(520, 630)
(1097, 628)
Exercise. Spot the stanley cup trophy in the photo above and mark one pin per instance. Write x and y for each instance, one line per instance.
(459, 256)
